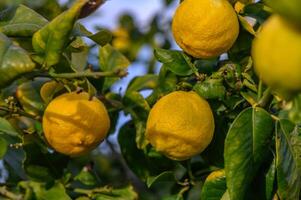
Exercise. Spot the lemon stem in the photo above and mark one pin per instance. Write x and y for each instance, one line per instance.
(8, 194)
(265, 98)
(117, 73)
(259, 94)
(19, 112)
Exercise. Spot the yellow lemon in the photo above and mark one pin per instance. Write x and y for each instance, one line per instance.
(121, 39)
(205, 28)
(180, 125)
(277, 54)
(74, 125)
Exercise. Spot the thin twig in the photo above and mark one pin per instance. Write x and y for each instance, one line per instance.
(8, 194)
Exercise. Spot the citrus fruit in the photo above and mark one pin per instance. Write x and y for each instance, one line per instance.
(205, 28)
(180, 125)
(74, 125)
(277, 54)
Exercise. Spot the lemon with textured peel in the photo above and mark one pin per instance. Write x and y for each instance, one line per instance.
(205, 28)
(74, 125)
(180, 125)
(277, 54)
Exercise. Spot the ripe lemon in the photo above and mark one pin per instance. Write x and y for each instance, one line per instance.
(180, 125)
(277, 54)
(205, 28)
(74, 125)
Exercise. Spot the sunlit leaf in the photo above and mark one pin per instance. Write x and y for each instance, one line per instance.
(49, 42)
(245, 149)
(111, 60)
(21, 21)
(14, 61)
(288, 160)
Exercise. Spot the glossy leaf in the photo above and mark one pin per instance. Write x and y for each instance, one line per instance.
(138, 107)
(174, 61)
(211, 89)
(7, 128)
(42, 191)
(111, 60)
(28, 95)
(49, 90)
(3, 147)
(148, 81)
(167, 176)
(21, 22)
(127, 193)
(270, 180)
(102, 37)
(49, 42)
(86, 177)
(288, 160)
(245, 149)
(214, 186)
(246, 25)
(14, 61)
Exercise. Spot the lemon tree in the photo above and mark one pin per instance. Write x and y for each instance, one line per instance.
(215, 116)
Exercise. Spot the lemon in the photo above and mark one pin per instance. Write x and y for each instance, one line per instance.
(121, 39)
(277, 54)
(205, 28)
(180, 125)
(74, 125)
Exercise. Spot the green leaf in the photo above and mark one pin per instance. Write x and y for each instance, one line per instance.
(35, 190)
(167, 82)
(7, 128)
(138, 107)
(127, 193)
(110, 60)
(3, 147)
(167, 176)
(102, 37)
(246, 25)
(288, 160)
(245, 149)
(148, 81)
(50, 41)
(21, 22)
(214, 186)
(48, 8)
(174, 61)
(295, 111)
(86, 177)
(49, 90)
(270, 178)
(28, 95)
(211, 89)
(56, 192)
(14, 61)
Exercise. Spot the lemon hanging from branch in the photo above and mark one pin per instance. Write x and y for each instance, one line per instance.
(74, 125)
(180, 125)
(205, 28)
